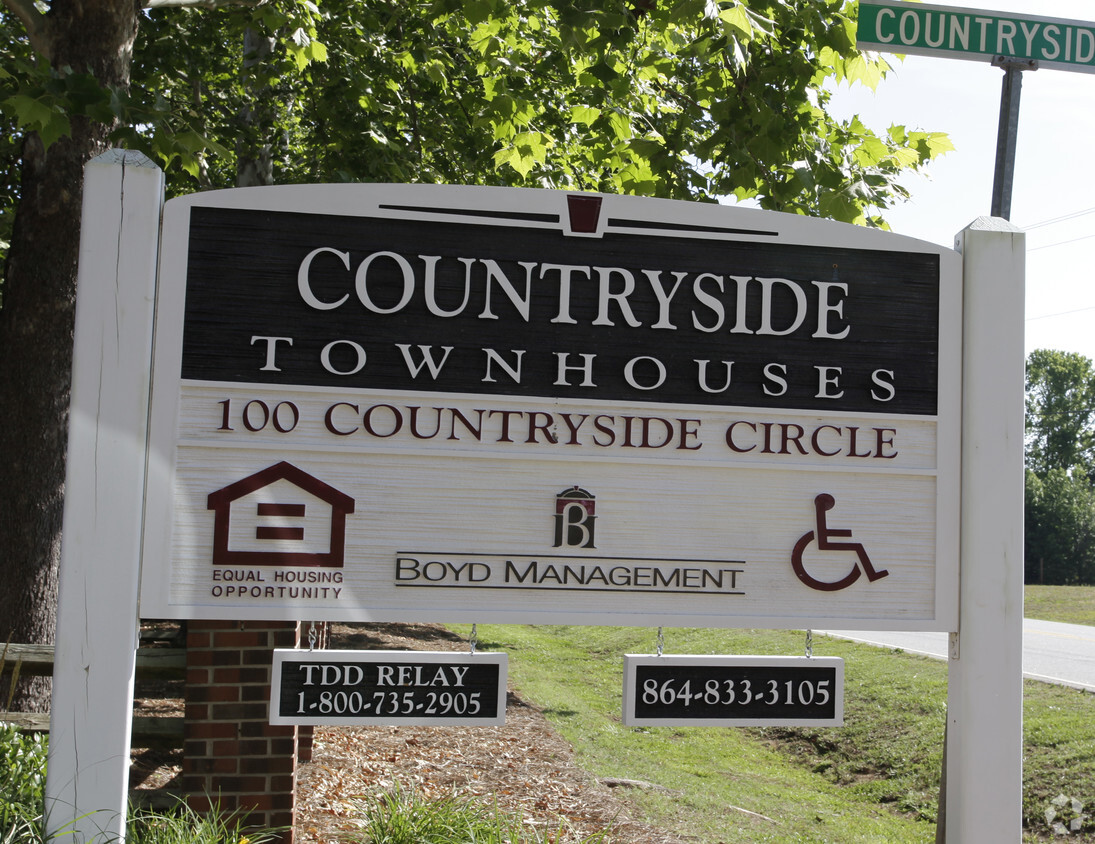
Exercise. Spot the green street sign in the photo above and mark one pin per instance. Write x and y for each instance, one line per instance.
(893, 26)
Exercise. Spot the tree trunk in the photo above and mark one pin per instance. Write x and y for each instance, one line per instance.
(36, 324)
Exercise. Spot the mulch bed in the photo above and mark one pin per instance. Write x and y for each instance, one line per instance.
(524, 768)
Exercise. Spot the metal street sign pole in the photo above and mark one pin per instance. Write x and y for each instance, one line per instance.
(1012, 42)
(1004, 175)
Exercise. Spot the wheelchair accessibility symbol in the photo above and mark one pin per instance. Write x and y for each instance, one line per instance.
(824, 536)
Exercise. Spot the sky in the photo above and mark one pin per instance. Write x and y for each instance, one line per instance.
(1054, 167)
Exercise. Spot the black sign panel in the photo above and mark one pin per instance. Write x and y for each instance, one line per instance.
(493, 308)
(733, 691)
(388, 687)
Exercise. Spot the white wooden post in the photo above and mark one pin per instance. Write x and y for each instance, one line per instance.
(984, 786)
(97, 619)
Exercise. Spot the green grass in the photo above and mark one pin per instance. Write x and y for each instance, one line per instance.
(404, 817)
(876, 779)
(22, 785)
(1068, 604)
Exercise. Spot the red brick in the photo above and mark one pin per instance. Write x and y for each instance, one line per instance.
(194, 658)
(211, 730)
(282, 746)
(227, 675)
(255, 692)
(254, 747)
(214, 694)
(238, 712)
(209, 765)
(282, 785)
(275, 764)
(197, 676)
(199, 802)
(260, 802)
(225, 747)
(238, 639)
(197, 639)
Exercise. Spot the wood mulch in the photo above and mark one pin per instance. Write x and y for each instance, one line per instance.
(524, 768)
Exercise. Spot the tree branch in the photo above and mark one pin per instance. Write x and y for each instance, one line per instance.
(35, 23)
(195, 4)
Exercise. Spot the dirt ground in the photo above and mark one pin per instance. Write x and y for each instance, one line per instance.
(523, 768)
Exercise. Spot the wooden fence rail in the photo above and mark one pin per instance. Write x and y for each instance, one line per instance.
(37, 661)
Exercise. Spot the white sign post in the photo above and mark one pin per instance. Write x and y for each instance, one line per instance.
(984, 795)
(97, 624)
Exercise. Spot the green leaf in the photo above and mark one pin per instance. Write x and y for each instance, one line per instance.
(584, 115)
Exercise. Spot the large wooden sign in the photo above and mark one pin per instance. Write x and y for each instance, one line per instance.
(428, 403)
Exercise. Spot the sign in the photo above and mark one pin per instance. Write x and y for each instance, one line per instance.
(388, 687)
(385, 403)
(733, 691)
(923, 29)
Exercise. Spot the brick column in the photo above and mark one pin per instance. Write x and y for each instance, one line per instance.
(231, 753)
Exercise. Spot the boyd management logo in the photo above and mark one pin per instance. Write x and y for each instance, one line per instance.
(575, 518)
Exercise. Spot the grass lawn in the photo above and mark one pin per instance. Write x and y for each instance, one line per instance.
(1069, 604)
(876, 779)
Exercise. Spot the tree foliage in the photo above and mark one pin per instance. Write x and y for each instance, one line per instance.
(1060, 457)
(688, 99)
(1059, 529)
(1060, 403)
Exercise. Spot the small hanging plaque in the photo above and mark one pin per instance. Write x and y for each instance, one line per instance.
(388, 687)
(733, 691)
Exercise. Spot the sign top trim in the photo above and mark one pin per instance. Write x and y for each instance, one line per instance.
(525, 208)
(897, 26)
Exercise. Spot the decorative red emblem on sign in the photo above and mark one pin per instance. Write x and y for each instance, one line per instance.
(240, 501)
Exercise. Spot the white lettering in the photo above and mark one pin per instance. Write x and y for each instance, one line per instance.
(325, 357)
(361, 282)
(767, 286)
(303, 281)
(271, 348)
(824, 308)
(605, 296)
(629, 373)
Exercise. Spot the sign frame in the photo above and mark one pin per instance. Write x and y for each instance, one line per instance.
(784, 692)
(403, 668)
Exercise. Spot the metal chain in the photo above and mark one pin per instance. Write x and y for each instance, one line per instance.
(809, 643)
(661, 641)
(473, 639)
(312, 636)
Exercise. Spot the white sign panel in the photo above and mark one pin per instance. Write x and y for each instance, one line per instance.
(436, 403)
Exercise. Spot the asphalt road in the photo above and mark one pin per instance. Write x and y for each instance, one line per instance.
(1052, 652)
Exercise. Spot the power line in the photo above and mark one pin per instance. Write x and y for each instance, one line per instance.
(1062, 313)
(1060, 219)
(1061, 243)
